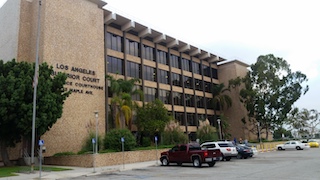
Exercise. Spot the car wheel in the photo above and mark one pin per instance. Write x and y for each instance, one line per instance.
(164, 162)
(196, 162)
(179, 163)
(211, 164)
(239, 156)
(246, 157)
(298, 148)
(228, 158)
(280, 148)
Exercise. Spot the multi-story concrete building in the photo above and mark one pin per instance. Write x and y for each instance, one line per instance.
(87, 42)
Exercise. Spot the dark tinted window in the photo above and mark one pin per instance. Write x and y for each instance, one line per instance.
(226, 145)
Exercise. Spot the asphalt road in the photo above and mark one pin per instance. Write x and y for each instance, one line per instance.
(289, 164)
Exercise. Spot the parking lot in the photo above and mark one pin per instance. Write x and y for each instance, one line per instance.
(292, 164)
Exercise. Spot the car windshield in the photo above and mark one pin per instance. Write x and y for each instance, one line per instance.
(312, 140)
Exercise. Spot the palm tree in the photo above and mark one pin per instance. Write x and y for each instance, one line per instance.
(121, 102)
(220, 100)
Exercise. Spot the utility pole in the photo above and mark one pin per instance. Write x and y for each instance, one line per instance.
(35, 84)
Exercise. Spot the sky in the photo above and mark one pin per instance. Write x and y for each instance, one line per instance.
(241, 30)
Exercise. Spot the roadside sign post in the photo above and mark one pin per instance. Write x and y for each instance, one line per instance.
(93, 154)
(156, 141)
(122, 142)
(41, 143)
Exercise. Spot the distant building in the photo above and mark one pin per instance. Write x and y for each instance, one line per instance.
(87, 42)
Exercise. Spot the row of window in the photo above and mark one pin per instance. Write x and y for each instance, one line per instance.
(192, 119)
(114, 42)
(168, 97)
(115, 65)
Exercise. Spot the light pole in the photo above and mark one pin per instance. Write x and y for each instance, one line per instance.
(258, 123)
(35, 85)
(220, 135)
(96, 113)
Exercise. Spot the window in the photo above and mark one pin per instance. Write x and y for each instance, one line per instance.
(132, 48)
(200, 101)
(189, 100)
(163, 76)
(149, 94)
(191, 119)
(177, 98)
(183, 148)
(114, 42)
(164, 96)
(186, 64)
(214, 73)
(188, 82)
(148, 52)
(206, 70)
(176, 79)
(198, 84)
(136, 96)
(115, 65)
(207, 86)
(162, 57)
(209, 103)
(196, 68)
(174, 61)
(150, 73)
(180, 118)
(134, 69)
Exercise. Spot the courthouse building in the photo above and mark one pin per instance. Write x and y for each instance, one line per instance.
(87, 41)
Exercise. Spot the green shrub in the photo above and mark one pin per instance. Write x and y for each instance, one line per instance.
(88, 146)
(146, 141)
(175, 136)
(112, 140)
(64, 153)
(207, 133)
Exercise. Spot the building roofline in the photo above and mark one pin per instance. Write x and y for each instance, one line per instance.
(127, 24)
(100, 3)
(235, 61)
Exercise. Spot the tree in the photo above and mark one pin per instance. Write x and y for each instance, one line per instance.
(304, 121)
(220, 100)
(271, 88)
(152, 118)
(16, 102)
(122, 105)
(281, 131)
(206, 132)
(173, 134)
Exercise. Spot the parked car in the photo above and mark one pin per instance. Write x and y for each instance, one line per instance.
(244, 151)
(190, 153)
(253, 148)
(313, 143)
(293, 145)
(227, 148)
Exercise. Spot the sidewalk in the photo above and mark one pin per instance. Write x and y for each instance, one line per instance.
(77, 171)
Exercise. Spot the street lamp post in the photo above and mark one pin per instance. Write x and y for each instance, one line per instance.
(220, 135)
(258, 123)
(96, 113)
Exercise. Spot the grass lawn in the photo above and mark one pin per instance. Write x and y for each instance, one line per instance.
(12, 171)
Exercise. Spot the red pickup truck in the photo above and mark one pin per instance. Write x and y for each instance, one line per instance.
(190, 153)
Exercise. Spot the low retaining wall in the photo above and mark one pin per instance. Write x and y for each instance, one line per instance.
(105, 159)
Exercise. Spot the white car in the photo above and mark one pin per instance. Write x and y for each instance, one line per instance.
(227, 148)
(293, 145)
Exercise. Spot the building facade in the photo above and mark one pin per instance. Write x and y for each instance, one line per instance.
(87, 42)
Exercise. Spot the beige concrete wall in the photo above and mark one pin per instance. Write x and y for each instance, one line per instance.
(9, 29)
(72, 41)
(106, 159)
(226, 72)
(73, 37)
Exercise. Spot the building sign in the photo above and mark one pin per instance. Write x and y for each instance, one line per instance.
(79, 80)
